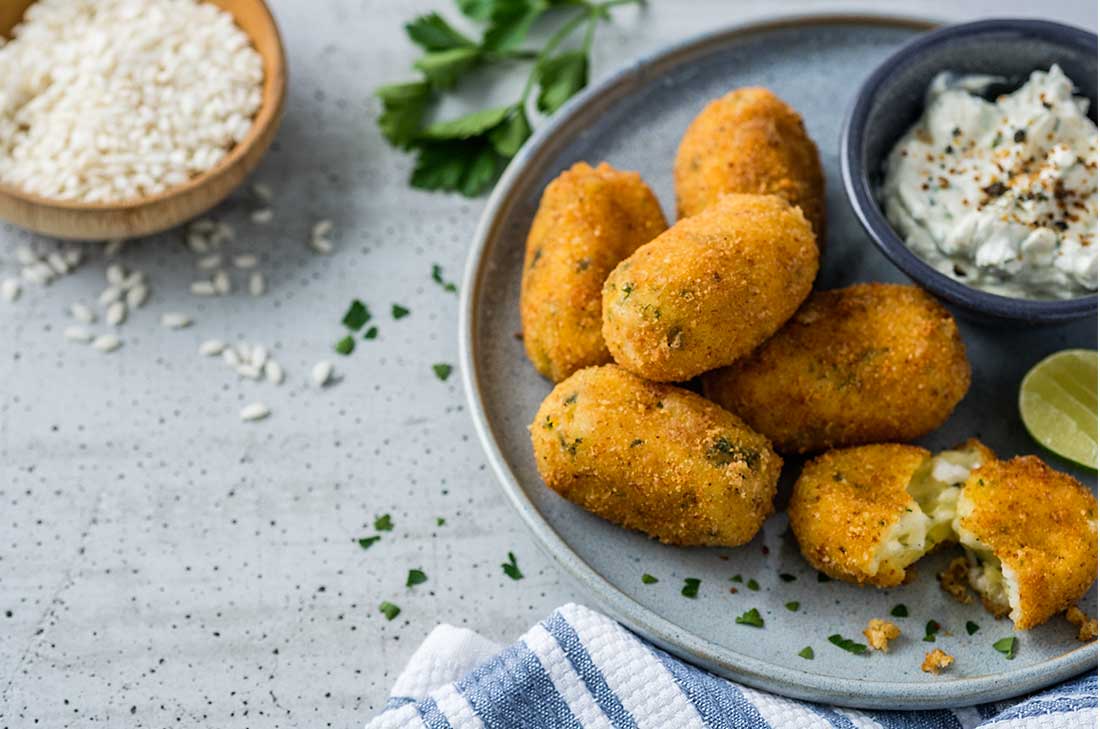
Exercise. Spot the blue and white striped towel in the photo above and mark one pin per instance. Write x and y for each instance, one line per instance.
(579, 669)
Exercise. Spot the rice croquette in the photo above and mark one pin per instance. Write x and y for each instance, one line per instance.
(655, 458)
(710, 289)
(870, 363)
(865, 514)
(588, 220)
(750, 141)
(1030, 535)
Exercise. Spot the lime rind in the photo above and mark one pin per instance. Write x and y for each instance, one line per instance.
(1058, 404)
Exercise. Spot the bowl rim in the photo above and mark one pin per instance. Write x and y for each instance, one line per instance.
(857, 182)
(270, 112)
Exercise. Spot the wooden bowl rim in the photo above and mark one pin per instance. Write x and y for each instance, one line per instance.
(267, 115)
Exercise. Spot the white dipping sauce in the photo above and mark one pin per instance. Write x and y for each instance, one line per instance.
(1000, 195)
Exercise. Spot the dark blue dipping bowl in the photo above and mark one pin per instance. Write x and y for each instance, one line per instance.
(892, 99)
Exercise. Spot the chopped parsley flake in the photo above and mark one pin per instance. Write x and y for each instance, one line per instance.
(511, 568)
(416, 577)
(846, 644)
(752, 585)
(750, 617)
(383, 523)
(691, 587)
(648, 579)
(737, 578)
(367, 542)
(440, 521)
(442, 371)
(930, 630)
(345, 346)
(807, 653)
(390, 610)
(793, 606)
(1006, 646)
(399, 312)
(437, 276)
(371, 333)
(972, 627)
(787, 577)
(900, 611)
(356, 316)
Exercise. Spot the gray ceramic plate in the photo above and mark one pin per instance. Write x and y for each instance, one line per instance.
(634, 120)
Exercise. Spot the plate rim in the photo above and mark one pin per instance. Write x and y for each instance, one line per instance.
(754, 672)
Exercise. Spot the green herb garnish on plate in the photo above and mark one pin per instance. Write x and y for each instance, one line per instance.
(691, 587)
(390, 610)
(511, 567)
(750, 617)
(416, 577)
(847, 644)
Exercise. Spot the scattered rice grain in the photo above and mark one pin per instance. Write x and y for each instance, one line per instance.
(209, 263)
(263, 216)
(250, 371)
(110, 295)
(273, 371)
(230, 357)
(106, 342)
(175, 320)
(203, 287)
(222, 284)
(116, 313)
(256, 284)
(255, 411)
(137, 296)
(245, 260)
(78, 334)
(212, 348)
(10, 289)
(322, 373)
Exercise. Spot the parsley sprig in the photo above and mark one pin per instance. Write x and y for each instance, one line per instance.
(467, 153)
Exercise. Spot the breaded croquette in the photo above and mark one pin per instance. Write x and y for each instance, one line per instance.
(655, 458)
(936, 661)
(879, 633)
(871, 363)
(1030, 535)
(750, 142)
(865, 514)
(955, 580)
(710, 289)
(588, 220)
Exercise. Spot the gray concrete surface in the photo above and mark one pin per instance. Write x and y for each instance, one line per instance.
(162, 563)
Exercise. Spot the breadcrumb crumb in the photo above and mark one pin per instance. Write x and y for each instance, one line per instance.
(954, 580)
(1086, 626)
(879, 633)
(936, 661)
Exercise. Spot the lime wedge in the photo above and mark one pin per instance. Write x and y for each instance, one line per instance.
(1058, 404)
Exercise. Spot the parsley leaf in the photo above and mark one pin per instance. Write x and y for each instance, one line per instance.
(849, 645)
(509, 22)
(432, 33)
(437, 276)
(442, 371)
(403, 107)
(356, 316)
(390, 610)
(477, 9)
(440, 521)
(648, 579)
(416, 577)
(1007, 646)
(750, 617)
(443, 68)
(691, 587)
(510, 133)
(366, 542)
(371, 333)
(345, 346)
(752, 585)
(900, 611)
(737, 578)
(793, 606)
(511, 568)
(468, 167)
(383, 523)
(930, 630)
(972, 627)
(399, 312)
(787, 577)
(807, 653)
(560, 78)
(470, 125)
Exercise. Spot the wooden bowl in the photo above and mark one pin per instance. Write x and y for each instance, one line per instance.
(152, 214)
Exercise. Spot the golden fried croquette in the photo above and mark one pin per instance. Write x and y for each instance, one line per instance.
(879, 633)
(655, 458)
(1030, 534)
(750, 142)
(870, 363)
(936, 661)
(588, 220)
(865, 514)
(710, 289)
(1086, 626)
